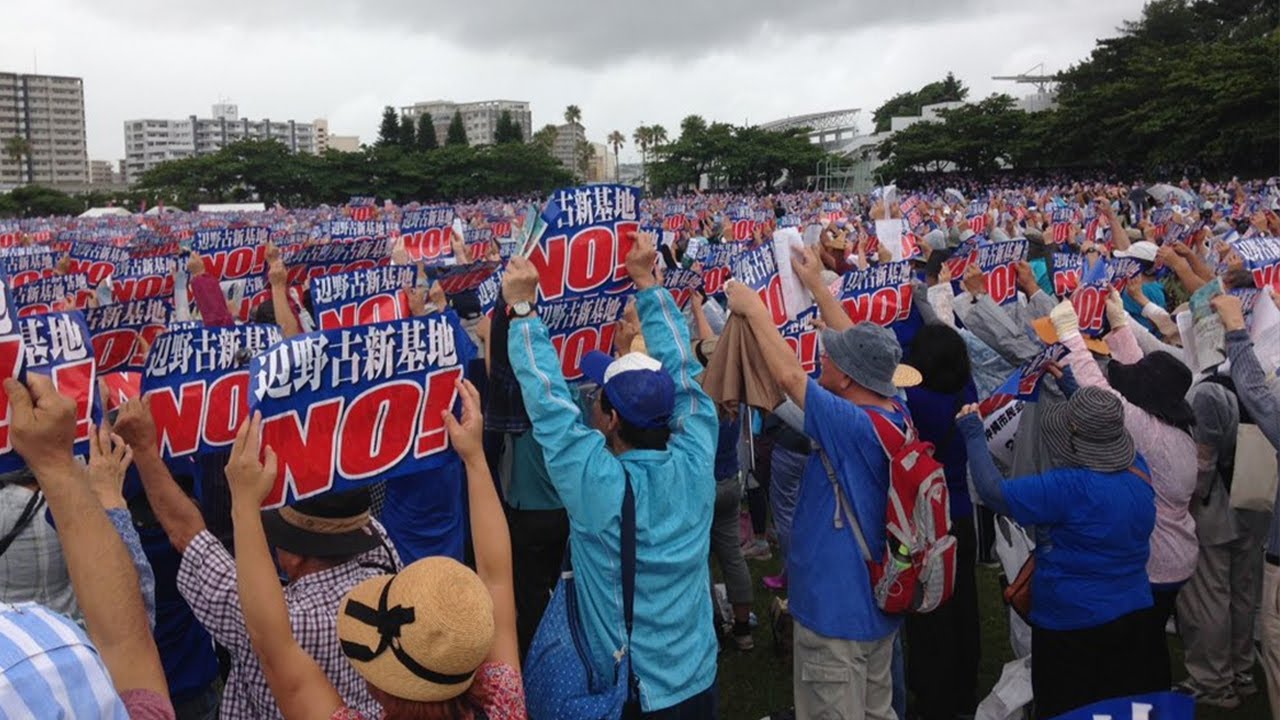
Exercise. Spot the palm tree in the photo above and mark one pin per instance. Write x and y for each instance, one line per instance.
(17, 148)
(643, 138)
(659, 135)
(616, 140)
(573, 114)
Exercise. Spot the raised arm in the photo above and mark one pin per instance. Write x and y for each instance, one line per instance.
(177, 513)
(781, 360)
(1121, 340)
(987, 480)
(1247, 373)
(278, 278)
(489, 533)
(666, 336)
(300, 687)
(808, 267)
(1119, 238)
(109, 459)
(106, 584)
(573, 452)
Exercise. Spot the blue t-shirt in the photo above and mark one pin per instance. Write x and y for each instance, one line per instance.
(934, 415)
(828, 579)
(1154, 292)
(1093, 567)
(426, 516)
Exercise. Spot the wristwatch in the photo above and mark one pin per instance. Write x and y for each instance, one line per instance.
(521, 309)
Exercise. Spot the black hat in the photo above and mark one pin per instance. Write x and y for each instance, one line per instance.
(331, 525)
(1158, 384)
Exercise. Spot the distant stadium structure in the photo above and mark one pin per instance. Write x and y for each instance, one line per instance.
(831, 129)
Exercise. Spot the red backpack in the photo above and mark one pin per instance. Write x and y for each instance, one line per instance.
(916, 571)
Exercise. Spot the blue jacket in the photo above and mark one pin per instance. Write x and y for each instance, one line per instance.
(673, 643)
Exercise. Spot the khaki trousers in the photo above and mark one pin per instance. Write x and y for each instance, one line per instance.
(838, 679)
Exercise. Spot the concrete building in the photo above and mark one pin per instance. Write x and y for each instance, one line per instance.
(47, 113)
(601, 165)
(149, 142)
(568, 146)
(101, 172)
(326, 141)
(479, 118)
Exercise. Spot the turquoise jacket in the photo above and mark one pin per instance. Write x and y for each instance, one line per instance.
(673, 643)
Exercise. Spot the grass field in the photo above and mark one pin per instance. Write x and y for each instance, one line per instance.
(756, 683)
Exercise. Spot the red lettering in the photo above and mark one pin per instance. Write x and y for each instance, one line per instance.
(178, 417)
(142, 288)
(377, 429)
(771, 294)
(713, 280)
(442, 390)
(1090, 305)
(228, 406)
(306, 451)
(236, 263)
(1267, 277)
(574, 346)
(113, 349)
(75, 381)
(1000, 283)
(591, 259)
(97, 271)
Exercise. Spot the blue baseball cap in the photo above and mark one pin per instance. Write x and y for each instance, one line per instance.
(638, 388)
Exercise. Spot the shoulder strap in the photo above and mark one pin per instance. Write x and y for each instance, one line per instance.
(842, 507)
(892, 438)
(28, 514)
(1140, 473)
(628, 553)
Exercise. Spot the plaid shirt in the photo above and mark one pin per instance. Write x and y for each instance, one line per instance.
(207, 581)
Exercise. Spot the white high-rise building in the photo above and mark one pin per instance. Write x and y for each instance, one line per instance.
(479, 118)
(46, 114)
(149, 142)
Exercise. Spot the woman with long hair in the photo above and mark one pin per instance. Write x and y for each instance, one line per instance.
(435, 641)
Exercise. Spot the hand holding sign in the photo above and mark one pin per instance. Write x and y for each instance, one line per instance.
(520, 281)
(807, 265)
(1228, 307)
(467, 435)
(974, 281)
(742, 300)
(136, 426)
(42, 425)
(249, 478)
(641, 259)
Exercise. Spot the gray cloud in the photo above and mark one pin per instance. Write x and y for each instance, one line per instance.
(582, 33)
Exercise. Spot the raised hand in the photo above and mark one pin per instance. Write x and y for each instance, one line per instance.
(42, 426)
(249, 478)
(641, 259)
(520, 281)
(467, 434)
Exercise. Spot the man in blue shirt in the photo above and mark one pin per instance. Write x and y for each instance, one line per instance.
(653, 424)
(843, 642)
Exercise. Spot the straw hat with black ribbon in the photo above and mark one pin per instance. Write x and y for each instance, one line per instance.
(420, 634)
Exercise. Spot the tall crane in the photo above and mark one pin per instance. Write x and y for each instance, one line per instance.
(1032, 76)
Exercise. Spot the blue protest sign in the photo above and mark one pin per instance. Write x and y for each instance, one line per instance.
(122, 332)
(999, 264)
(57, 345)
(331, 258)
(758, 270)
(346, 407)
(352, 229)
(22, 265)
(95, 260)
(1066, 273)
(717, 266)
(46, 294)
(10, 362)
(361, 297)
(426, 233)
(802, 336)
(143, 278)
(197, 381)
(232, 253)
(682, 283)
(880, 294)
(1261, 257)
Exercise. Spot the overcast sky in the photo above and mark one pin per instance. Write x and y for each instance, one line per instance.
(623, 63)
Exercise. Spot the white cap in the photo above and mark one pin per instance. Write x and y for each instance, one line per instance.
(1141, 250)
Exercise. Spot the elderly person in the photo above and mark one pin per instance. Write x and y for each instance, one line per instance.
(1095, 510)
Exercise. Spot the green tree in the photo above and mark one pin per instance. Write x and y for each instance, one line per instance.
(457, 134)
(507, 130)
(948, 89)
(389, 129)
(980, 137)
(17, 148)
(40, 201)
(740, 157)
(426, 139)
(546, 137)
(408, 135)
(692, 125)
(616, 140)
(573, 115)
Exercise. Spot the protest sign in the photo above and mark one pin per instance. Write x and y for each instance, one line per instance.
(487, 292)
(350, 406)
(56, 345)
(584, 250)
(682, 283)
(332, 258)
(999, 264)
(22, 265)
(1064, 220)
(976, 216)
(1066, 273)
(245, 295)
(1123, 269)
(51, 293)
(143, 278)
(758, 270)
(197, 381)
(232, 253)
(427, 232)
(95, 260)
(1090, 297)
(479, 241)
(361, 297)
(880, 294)
(122, 332)
(802, 337)
(718, 266)
(458, 279)
(356, 229)
(10, 363)
(1261, 257)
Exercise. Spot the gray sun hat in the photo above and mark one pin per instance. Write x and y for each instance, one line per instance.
(871, 356)
(1088, 431)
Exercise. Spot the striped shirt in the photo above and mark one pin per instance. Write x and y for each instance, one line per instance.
(49, 669)
(32, 569)
(207, 581)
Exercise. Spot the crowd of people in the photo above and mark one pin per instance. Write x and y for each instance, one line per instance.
(558, 562)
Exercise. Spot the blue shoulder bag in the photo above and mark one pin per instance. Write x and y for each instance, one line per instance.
(560, 682)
